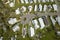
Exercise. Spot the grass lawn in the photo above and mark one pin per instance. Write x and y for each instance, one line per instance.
(48, 35)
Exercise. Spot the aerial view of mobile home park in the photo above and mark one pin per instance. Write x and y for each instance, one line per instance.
(29, 19)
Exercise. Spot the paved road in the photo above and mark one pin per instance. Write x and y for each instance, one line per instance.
(29, 17)
(58, 5)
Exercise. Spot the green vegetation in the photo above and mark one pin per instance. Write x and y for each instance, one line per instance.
(6, 12)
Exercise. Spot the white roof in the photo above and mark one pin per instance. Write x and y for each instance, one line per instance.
(53, 20)
(35, 22)
(31, 1)
(12, 21)
(4, 28)
(13, 38)
(32, 33)
(49, 6)
(39, 1)
(22, 1)
(16, 28)
(40, 7)
(23, 8)
(26, 1)
(45, 7)
(47, 0)
(52, 0)
(58, 32)
(17, 11)
(23, 32)
(30, 8)
(55, 7)
(35, 8)
(43, 1)
(14, 1)
(1, 38)
(35, 1)
(11, 4)
(41, 23)
(58, 19)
